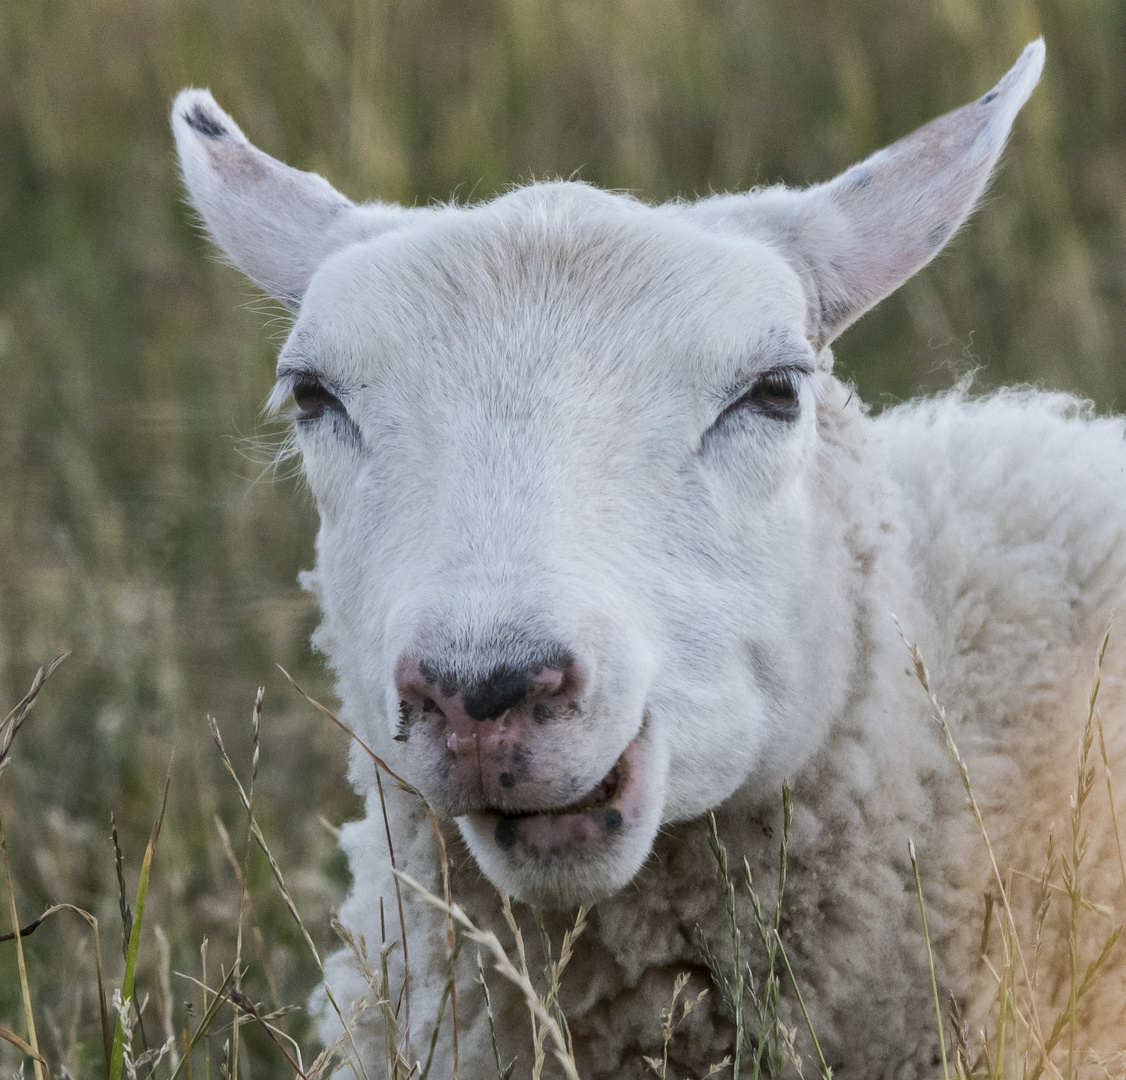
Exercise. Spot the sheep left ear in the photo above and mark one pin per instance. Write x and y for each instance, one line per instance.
(857, 238)
(277, 224)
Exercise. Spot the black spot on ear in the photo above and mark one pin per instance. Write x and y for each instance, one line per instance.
(612, 819)
(204, 123)
(541, 714)
(937, 236)
(989, 97)
(507, 780)
(505, 835)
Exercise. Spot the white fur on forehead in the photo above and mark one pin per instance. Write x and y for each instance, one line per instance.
(549, 269)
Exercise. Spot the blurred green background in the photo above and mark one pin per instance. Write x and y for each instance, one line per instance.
(138, 527)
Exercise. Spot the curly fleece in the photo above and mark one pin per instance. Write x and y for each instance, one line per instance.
(995, 530)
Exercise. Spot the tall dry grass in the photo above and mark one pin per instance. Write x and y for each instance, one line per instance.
(1017, 1040)
(132, 532)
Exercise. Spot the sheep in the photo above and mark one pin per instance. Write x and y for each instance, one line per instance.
(605, 545)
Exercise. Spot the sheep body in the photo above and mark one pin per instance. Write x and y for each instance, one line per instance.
(993, 528)
(605, 545)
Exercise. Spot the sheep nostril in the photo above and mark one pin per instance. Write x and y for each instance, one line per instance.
(547, 682)
(503, 696)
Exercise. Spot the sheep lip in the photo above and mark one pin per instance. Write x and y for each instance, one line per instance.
(605, 795)
(599, 797)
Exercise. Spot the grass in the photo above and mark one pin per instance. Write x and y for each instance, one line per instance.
(1018, 1046)
(130, 535)
(1017, 1042)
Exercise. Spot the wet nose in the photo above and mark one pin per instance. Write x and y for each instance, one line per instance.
(479, 727)
(469, 700)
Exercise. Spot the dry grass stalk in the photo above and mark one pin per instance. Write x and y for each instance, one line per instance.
(826, 1072)
(164, 951)
(1079, 985)
(248, 1007)
(11, 724)
(92, 922)
(255, 929)
(451, 938)
(538, 1036)
(326, 711)
(402, 919)
(237, 994)
(503, 963)
(939, 714)
(9, 729)
(670, 1022)
(504, 1072)
(218, 1000)
(1016, 1001)
(380, 766)
(733, 992)
(24, 1047)
(553, 969)
(1110, 799)
(378, 981)
(930, 958)
(355, 1061)
(206, 1006)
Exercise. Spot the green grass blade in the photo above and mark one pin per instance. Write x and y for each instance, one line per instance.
(930, 959)
(826, 1072)
(117, 1056)
(217, 1002)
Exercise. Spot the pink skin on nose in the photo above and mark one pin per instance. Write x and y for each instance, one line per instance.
(466, 736)
(486, 737)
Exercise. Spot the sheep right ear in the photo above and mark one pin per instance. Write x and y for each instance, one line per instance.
(275, 223)
(857, 238)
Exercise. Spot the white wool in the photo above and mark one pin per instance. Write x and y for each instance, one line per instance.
(575, 437)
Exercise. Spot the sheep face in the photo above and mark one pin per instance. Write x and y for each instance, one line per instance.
(578, 563)
(566, 557)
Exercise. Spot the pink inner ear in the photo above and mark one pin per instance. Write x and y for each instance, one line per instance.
(275, 223)
(859, 237)
(899, 207)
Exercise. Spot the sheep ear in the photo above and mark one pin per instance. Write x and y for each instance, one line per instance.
(275, 223)
(857, 238)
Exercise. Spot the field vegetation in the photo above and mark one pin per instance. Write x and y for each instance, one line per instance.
(140, 530)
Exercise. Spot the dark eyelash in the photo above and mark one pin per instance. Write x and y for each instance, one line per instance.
(314, 399)
(775, 394)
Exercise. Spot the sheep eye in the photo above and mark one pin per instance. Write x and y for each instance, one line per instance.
(313, 399)
(775, 395)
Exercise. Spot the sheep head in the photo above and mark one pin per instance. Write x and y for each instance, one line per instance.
(579, 573)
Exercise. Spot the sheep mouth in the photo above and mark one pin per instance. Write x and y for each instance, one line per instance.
(574, 828)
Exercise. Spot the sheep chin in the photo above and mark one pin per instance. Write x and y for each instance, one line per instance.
(578, 854)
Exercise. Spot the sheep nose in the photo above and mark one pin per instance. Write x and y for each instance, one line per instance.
(468, 701)
(478, 730)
